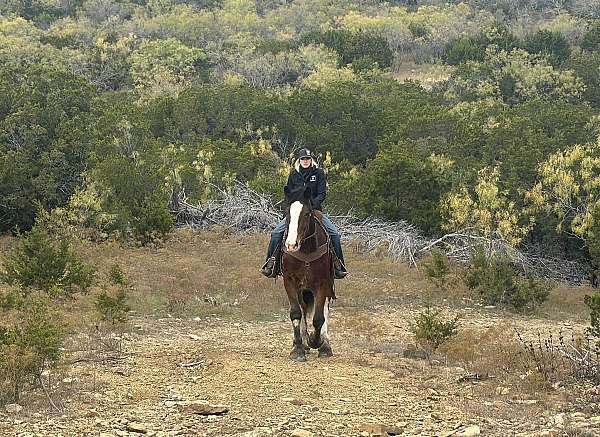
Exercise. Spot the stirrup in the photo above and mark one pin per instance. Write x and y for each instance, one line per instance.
(339, 272)
(268, 269)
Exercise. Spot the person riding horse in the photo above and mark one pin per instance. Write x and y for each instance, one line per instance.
(306, 173)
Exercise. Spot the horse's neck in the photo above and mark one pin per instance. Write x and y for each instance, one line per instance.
(318, 237)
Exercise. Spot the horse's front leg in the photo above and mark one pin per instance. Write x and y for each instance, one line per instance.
(298, 352)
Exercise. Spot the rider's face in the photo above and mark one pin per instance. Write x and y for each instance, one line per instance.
(306, 162)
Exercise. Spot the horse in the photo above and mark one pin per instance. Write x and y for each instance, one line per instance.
(307, 276)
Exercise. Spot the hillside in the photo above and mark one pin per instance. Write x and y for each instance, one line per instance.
(206, 328)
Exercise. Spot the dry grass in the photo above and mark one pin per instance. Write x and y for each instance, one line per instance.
(427, 74)
(203, 273)
(216, 273)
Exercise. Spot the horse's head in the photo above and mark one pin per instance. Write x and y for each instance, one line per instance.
(298, 218)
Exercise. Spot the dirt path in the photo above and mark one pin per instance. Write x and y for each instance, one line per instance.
(367, 388)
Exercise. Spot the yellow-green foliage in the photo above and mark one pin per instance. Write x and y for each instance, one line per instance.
(164, 67)
(569, 187)
(487, 212)
(514, 77)
(325, 75)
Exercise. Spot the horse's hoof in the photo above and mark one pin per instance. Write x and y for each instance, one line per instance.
(325, 352)
(298, 354)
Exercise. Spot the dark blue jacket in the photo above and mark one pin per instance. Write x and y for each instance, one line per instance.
(312, 177)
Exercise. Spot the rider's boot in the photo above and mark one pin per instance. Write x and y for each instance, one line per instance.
(268, 269)
(339, 269)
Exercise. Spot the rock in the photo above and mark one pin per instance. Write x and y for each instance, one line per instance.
(292, 401)
(503, 391)
(258, 432)
(468, 431)
(140, 428)
(378, 429)
(206, 410)
(301, 433)
(106, 434)
(13, 408)
(559, 420)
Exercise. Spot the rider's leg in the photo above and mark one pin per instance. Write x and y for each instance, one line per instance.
(334, 234)
(276, 236)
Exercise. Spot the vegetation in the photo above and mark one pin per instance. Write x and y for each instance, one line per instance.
(112, 304)
(28, 347)
(494, 278)
(41, 262)
(437, 269)
(108, 108)
(431, 329)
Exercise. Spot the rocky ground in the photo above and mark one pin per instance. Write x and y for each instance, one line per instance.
(206, 354)
(211, 377)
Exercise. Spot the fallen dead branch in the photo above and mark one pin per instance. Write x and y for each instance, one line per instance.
(247, 211)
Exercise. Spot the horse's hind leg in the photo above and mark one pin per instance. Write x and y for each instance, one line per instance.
(325, 348)
(307, 303)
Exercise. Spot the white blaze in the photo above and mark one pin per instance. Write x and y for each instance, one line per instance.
(292, 236)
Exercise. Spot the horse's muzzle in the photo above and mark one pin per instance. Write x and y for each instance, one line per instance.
(292, 247)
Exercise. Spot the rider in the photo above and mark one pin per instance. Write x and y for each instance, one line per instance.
(307, 173)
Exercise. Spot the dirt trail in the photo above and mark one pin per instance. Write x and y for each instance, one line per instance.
(367, 388)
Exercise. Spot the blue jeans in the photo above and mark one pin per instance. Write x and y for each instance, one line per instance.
(334, 234)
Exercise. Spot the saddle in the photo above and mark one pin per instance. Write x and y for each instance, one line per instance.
(307, 258)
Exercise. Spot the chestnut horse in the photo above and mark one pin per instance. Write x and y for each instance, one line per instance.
(307, 276)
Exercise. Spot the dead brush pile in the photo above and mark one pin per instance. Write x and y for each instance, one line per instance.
(247, 211)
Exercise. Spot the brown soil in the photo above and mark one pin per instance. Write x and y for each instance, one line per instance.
(229, 348)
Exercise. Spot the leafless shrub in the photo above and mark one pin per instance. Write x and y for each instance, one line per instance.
(247, 211)
(556, 358)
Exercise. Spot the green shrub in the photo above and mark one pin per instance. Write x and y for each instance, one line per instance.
(11, 299)
(497, 282)
(116, 275)
(591, 39)
(552, 45)
(418, 30)
(152, 222)
(111, 303)
(113, 308)
(431, 330)
(352, 46)
(28, 347)
(472, 48)
(463, 49)
(437, 268)
(39, 261)
(593, 303)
